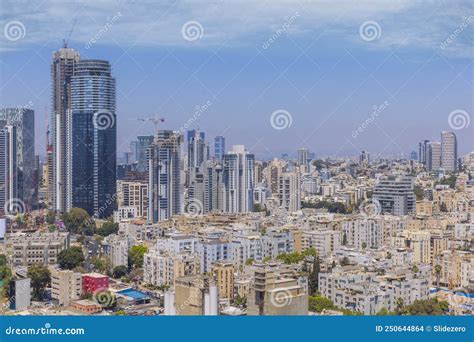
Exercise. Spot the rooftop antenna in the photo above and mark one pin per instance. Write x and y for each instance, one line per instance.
(66, 41)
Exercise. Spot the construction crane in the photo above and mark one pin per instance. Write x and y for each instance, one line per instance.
(66, 41)
(156, 121)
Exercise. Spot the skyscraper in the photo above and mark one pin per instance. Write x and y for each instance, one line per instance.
(8, 169)
(423, 152)
(143, 143)
(238, 180)
(164, 173)
(23, 120)
(62, 70)
(91, 139)
(449, 151)
(219, 147)
(197, 149)
(433, 156)
(303, 158)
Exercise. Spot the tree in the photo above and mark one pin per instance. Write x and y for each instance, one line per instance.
(119, 271)
(345, 261)
(364, 245)
(102, 264)
(78, 221)
(240, 301)
(40, 278)
(385, 312)
(3, 260)
(51, 217)
(438, 274)
(320, 303)
(135, 255)
(428, 307)
(249, 261)
(108, 228)
(399, 306)
(70, 258)
(313, 278)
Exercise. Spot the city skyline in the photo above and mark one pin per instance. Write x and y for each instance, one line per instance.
(265, 70)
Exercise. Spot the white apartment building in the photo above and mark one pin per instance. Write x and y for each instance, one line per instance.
(245, 247)
(276, 243)
(325, 241)
(289, 191)
(27, 249)
(163, 268)
(117, 247)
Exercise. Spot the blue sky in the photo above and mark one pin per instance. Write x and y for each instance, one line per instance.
(312, 60)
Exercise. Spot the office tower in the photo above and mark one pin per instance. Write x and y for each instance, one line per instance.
(238, 180)
(433, 157)
(395, 195)
(134, 151)
(413, 155)
(258, 172)
(8, 170)
(303, 158)
(423, 152)
(290, 191)
(62, 70)
(219, 147)
(143, 143)
(164, 171)
(91, 139)
(213, 187)
(364, 158)
(197, 150)
(449, 151)
(24, 122)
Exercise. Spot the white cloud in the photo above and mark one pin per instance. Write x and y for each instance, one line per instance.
(419, 24)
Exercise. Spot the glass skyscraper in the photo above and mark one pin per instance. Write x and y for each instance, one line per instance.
(23, 120)
(91, 138)
(219, 147)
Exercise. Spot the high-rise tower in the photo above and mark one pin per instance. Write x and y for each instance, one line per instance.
(62, 70)
(92, 139)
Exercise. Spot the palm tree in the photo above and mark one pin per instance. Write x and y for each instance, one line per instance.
(438, 274)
